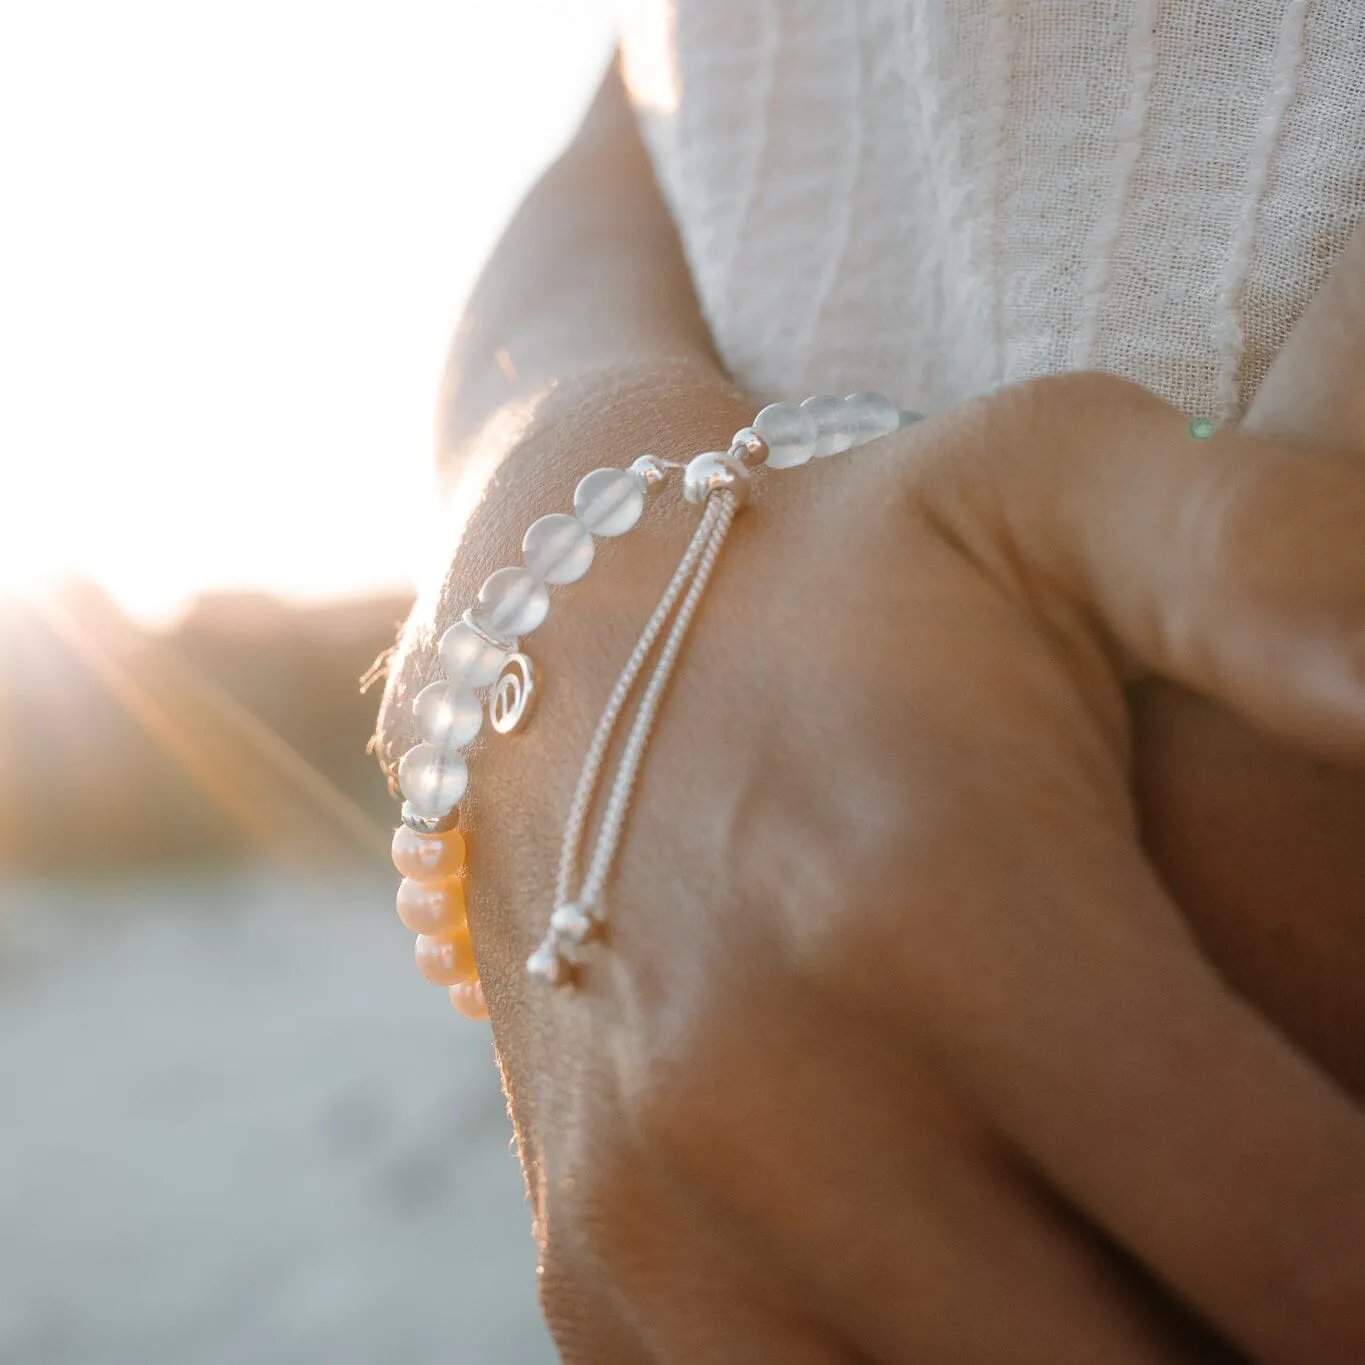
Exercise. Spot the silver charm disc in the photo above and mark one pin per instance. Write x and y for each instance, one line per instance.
(510, 701)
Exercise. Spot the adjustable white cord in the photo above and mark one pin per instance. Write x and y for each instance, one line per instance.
(575, 919)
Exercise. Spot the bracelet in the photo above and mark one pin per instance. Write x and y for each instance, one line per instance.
(481, 653)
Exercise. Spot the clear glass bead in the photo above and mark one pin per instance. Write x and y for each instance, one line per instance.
(836, 426)
(609, 501)
(429, 858)
(432, 779)
(468, 658)
(448, 715)
(512, 602)
(447, 958)
(790, 433)
(871, 415)
(427, 909)
(558, 548)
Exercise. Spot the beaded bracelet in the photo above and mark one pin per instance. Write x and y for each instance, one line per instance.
(482, 653)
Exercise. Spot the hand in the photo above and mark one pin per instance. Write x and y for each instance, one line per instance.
(898, 1048)
(1260, 842)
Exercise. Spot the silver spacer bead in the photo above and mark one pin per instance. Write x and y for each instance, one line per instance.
(429, 824)
(711, 472)
(747, 446)
(507, 644)
(909, 417)
(546, 966)
(653, 471)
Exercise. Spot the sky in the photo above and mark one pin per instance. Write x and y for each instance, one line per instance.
(235, 238)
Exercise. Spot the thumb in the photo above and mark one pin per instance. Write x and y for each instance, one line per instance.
(1234, 566)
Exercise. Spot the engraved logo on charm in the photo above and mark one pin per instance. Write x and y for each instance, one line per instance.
(513, 694)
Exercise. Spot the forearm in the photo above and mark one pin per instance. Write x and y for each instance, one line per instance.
(582, 345)
(588, 283)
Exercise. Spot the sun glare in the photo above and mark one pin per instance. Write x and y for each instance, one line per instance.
(241, 238)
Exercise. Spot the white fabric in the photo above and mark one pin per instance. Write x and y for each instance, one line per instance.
(933, 197)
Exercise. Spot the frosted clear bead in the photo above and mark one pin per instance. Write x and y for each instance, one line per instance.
(434, 781)
(448, 715)
(790, 433)
(609, 501)
(512, 602)
(468, 658)
(871, 415)
(835, 424)
(558, 548)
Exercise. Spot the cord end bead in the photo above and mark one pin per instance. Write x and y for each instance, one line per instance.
(571, 926)
(546, 966)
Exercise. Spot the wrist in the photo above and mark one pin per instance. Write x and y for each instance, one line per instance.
(526, 461)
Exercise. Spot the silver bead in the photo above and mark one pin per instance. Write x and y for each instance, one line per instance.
(836, 423)
(653, 470)
(548, 967)
(708, 473)
(429, 824)
(747, 445)
(790, 433)
(909, 417)
(505, 643)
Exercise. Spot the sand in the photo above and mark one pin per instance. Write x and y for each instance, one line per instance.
(236, 1126)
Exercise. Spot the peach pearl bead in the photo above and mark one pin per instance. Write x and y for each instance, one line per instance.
(467, 997)
(427, 909)
(447, 959)
(427, 857)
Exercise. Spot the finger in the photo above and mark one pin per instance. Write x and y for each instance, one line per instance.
(1170, 1112)
(873, 1187)
(642, 1273)
(1234, 566)
(1312, 392)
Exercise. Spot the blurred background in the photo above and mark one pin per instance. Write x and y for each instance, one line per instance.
(235, 1125)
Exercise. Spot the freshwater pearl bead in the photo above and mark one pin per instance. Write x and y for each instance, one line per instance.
(467, 658)
(427, 858)
(512, 602)
(432, 779)
(427, 909)
(448, 715)
(789, 432)
(834, 430)
(871, 415)
(446, 959)
(558, 548)
(609, 501)
(467, 997)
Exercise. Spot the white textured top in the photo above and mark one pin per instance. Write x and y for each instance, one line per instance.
(933, 197)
